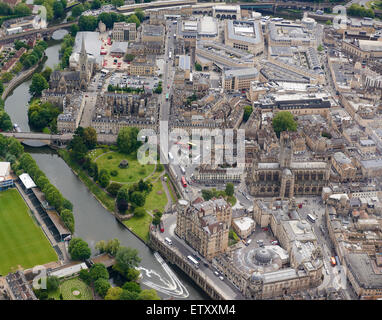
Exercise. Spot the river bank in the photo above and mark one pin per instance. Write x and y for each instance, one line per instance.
(100, 195)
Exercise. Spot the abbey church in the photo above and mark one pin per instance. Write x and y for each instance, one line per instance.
(287, 178)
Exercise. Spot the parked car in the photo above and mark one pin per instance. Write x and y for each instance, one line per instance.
(216, 273)
(221, 278)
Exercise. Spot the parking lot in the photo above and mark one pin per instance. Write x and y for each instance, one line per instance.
(123, 80)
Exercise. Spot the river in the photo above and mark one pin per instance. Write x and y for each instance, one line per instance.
(93, 222)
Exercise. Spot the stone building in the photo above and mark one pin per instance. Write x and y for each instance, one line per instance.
(69, 81)
(204, 225)
(123, 31)
(142, 66)
(287, 178)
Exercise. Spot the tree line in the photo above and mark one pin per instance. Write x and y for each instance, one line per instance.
(12, 150)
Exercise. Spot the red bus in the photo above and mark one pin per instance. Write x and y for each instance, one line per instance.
(184, 183)
(333, 261)
(161, 227)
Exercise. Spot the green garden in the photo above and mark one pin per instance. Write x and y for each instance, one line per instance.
(73, 289)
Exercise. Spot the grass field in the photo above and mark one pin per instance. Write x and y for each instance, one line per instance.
(156, 200)
(22, 243)
(133, 173)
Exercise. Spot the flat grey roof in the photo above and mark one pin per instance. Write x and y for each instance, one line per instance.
(255, 39)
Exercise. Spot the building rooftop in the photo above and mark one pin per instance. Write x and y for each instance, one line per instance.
(248, 31)
(361, 266)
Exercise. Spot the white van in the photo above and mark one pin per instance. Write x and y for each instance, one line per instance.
(168, 241)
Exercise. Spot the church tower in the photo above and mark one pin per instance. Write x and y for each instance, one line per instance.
(285, 150)
(84, 66)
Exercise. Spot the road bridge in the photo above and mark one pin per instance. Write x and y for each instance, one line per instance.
(54, 139)
(44, 32)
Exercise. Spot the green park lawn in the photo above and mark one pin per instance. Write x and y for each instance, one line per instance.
(73, 289)
(22, 243)
(156, 200)
(133, 173)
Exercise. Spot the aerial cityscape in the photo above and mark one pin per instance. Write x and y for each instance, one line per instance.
(190, 150)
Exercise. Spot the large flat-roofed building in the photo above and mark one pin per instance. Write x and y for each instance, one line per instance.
(243, 226)
(287, 33)
(364, 50)
(207, 28)
(239, 79)
(364, 275)
(209, 54)
(123, 31)
(204, 225)
(371, 168)
(296, 103)
(152, 33)
(244, 35)
(91, 41)
(226, 12)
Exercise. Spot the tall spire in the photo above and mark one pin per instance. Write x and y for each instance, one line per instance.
(83, 50)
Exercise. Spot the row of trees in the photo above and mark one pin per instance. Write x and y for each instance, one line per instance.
(20, 9)
(357, 10)
(5, 120)
(90, 23)
(112, 88)
(66, 49)
(55, 9)
(54, 197)
(31, 58)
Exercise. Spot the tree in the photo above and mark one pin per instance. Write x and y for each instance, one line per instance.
(104, 178)
(127, 140)
(198, 67)
(68, 219)
(78, 148)
(207, 194)
(148, 294)
(5, 121)
(1, 88)
(46, 73)
(118, 3)
(5, 9)
(87, 23)
(52, 283)
(101, 286)
(229, 189)
(58, 10)
(84, 275)
(126, 258)
(137, 199)
(157, 218)
(79, 249)
(133, 274)
(15, 148)
(247, 112)
(320, 48)
(134, 19)
(129, 295)
(112, 246)
(139, 14)
(96, 4)
(22, 9)
(98, 271)
(90, 137)
(74, 29)
(38, 84)
(113, 293)
(106, 18)
(129, 57)
(139, 212)
(77, 10)
(113, 188)
(132, 287)
(283, 121)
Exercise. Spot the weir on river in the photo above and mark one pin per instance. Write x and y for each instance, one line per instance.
(92, 221)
